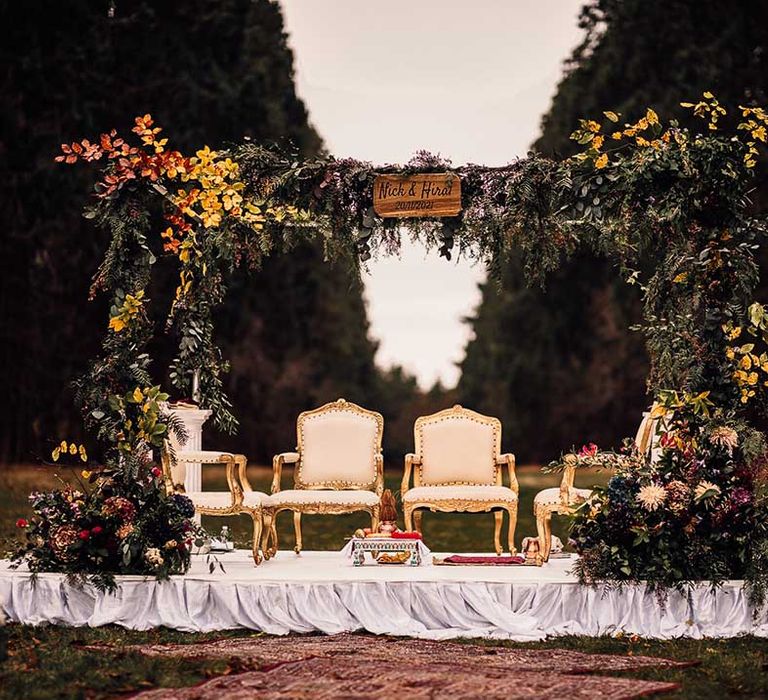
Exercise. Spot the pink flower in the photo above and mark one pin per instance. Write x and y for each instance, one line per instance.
(95, 531)
(589, 450)
(84, 535)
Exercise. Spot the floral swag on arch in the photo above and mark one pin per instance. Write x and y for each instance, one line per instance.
(667, 204)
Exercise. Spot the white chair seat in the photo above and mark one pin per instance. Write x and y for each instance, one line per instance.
(551, 497)
(211, 499)
(254, 499)
(315, 496)
(223, 499)
(460, 493)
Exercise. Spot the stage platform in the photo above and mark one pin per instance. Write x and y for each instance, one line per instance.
(323, 592)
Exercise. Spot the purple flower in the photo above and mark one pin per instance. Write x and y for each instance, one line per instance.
(740, 497)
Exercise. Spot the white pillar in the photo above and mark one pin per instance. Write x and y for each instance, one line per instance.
(193, 419)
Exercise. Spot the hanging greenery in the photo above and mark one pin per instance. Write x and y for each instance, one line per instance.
(669, 206)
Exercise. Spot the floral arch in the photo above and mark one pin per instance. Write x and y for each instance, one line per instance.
(668, 205)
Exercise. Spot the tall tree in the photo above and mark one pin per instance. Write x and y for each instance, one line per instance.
(209, 71)
(560, 365)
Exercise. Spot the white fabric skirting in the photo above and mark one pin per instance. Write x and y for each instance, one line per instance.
(428, 602)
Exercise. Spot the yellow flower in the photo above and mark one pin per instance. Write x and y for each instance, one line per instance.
(117, 324)
(602, 161)
(651, 116)
(86, 474)
(138, 395)
(597, 142)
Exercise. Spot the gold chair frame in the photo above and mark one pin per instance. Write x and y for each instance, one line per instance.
(269, 544)
(569, 496)
(236, 480)
(413, 511)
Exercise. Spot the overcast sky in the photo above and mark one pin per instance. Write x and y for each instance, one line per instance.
(466, 79)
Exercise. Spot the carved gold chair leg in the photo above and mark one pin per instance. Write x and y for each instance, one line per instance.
(408, 516)
(375, 519)
(541, 531)
(297, 530)
(258, 525)
(544, 528)
(266, 531)
(512, 512)
(498, 516)
(417, 519)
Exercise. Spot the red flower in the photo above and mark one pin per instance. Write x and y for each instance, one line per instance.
(84, 535)
(96, 530)
(21, 523)
(589, 450)
(156, 471)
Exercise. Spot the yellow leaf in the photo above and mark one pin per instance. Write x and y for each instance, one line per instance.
(137, 395)
(63, 446)
(612, 116)
(55, 454)
(83, 453)
(708, 95)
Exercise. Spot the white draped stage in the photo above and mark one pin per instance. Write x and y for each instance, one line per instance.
(323, 592)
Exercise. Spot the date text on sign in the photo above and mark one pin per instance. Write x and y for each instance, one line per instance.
(425, 194)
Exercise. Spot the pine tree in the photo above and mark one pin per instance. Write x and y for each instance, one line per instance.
(209, 71)
(560, 365)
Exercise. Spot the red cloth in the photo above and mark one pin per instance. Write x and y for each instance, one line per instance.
(505, 560)
(406, 535)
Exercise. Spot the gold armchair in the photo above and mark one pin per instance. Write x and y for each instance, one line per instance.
(563, 499)
(339, 469)
(239, 499)
(459, 467)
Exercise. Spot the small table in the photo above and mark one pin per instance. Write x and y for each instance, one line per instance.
(376, 545)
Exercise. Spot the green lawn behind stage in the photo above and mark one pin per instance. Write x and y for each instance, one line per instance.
(443, 532)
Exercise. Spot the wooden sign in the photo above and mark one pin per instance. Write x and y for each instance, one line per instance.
(425, 194)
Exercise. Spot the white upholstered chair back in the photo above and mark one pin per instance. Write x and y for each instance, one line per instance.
(457, 446)
(338, 445)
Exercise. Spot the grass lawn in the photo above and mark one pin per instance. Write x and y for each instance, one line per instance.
(49, 661)
(444, 532)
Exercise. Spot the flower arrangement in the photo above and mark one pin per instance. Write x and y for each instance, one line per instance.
(691, 513)
(110, 525)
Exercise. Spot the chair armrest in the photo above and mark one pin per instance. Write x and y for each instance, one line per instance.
(571, 462)
(235, 464)
(277, 467)
(204, 456)
(410, 460)
(509, 459)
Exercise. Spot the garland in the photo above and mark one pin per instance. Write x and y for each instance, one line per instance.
(668, 205)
